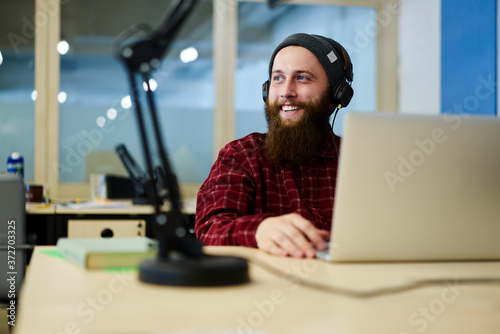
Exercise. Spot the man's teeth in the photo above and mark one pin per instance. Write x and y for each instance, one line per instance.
(289, 108)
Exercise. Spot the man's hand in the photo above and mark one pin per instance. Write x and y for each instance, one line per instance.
(290, 235)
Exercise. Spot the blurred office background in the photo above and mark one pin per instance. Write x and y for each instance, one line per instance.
(65, 106)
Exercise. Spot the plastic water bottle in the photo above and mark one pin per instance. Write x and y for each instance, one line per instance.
(15, 164)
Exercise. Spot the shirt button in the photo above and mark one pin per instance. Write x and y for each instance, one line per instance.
(309, 171)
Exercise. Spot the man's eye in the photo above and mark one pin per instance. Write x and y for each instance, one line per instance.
(277, 78)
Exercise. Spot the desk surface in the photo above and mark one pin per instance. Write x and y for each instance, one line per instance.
(285, 295)
(112, 207)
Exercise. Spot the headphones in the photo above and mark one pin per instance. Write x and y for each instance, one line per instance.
(341, 92)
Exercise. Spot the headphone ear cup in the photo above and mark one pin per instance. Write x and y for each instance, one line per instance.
(265, 90)
(342, 94)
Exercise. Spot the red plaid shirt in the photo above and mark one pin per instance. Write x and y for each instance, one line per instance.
(243, 189)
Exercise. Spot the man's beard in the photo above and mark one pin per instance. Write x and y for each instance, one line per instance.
(297, 142)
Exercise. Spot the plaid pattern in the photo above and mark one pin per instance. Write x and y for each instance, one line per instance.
(243, 188)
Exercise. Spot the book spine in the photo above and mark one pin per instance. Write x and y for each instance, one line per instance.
(74, 255)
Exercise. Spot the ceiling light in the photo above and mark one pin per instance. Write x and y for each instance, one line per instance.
(188, 55)
(111, 113)
(61, 97)
(62, 47)
(100, 121)
(152, 84)
(126, 102)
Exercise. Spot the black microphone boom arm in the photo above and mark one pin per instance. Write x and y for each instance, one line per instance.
(180, 260)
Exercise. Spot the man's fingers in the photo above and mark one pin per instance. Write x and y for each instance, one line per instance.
(301, 238)
(311, 235)
(286, 238)
(291, 235)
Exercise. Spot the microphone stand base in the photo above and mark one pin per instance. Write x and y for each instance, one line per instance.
(207, 270)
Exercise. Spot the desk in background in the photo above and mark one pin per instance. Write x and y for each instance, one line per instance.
(285, 295)
(47, 223)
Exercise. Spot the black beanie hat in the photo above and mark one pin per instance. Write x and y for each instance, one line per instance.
(330, 54)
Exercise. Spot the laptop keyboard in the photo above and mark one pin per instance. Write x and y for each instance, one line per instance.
(324, 254)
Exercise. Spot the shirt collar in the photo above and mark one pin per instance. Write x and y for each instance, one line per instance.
(327, 148)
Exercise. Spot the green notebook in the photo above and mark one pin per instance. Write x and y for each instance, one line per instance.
(98, 253)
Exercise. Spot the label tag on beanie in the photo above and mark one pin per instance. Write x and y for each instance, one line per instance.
(332, 57)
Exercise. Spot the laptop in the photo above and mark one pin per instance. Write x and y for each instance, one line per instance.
(417, 188)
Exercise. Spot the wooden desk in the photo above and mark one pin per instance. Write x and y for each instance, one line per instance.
(285, 296)
(47, 223)
(189, 207)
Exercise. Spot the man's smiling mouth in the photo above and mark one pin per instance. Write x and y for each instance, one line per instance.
(288, 108)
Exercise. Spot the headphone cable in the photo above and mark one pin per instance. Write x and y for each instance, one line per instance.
(335, 112)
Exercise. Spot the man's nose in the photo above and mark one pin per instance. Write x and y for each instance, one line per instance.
(289, 89)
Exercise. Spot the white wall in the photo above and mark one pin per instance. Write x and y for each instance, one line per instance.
(420, 56)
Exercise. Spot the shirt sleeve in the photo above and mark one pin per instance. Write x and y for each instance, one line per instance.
(225, 201)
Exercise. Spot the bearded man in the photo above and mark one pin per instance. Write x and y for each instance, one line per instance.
(275, 191)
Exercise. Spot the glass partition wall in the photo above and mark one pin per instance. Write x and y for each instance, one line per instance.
(95, 107)
(208, 88)
(17, 84)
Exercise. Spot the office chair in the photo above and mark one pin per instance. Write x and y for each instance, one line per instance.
(13, 247)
